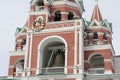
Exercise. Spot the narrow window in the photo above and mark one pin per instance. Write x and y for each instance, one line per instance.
(57, 16)
(70, 16)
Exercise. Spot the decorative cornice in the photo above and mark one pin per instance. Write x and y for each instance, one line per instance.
(17, 53)
(97, 47)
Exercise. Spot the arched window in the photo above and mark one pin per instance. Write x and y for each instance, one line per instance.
(95, 35)
(96, 61)
(53, 57)
(39, 5)
(57, 16)
(96, 64)
(105, 38)
(70, 16)
(95, 38)
(19, 67)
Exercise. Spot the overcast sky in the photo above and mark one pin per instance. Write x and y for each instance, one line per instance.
(14, 13)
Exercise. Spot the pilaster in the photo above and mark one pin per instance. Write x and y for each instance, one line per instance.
(90, 35)
(100, 38)
(64, 15)
(108, 38)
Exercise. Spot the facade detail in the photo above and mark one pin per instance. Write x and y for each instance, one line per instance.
(56, 43)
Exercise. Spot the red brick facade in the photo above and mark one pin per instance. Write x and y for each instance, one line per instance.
(59, 28)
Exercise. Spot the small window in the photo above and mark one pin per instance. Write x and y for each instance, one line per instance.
(40, 3)
(96, 61)
(104, 36)
(96, 64)
(19, 67)
(95, 36)
(70, 16)
(57, 16)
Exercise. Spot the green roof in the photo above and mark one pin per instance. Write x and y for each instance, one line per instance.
(88, 23)
(19, 29)
(110, 24)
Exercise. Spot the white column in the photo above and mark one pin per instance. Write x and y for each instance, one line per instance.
(66, 59)
(26, 53)
(81, 50)
(75, 51)
(30, 54)
(100, 37)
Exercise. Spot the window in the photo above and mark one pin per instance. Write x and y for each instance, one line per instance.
(40, 3)
(70, 16)
(96, 64)
(96, 61)
(53, 58)
(95, 35)
(57, 16)
(19, 67)
(95, 38)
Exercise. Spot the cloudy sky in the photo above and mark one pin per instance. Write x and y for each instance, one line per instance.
(14, 13)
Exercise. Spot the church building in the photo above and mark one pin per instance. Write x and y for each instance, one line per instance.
(57, 43)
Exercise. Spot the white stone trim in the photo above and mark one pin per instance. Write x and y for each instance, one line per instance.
(19, 40)
(21, 34)
(97, 47)
(17, 53)
(56, 30)
(44, 42)
(108, 72)
(93, 55)
(81, 49)
(38, 12)
(26, 52)
(108, 35)
(75, 49)
(90, 34)
(100, 27)
(107, 60)
(100, 33)
(30, 54)
(11, 66)
(64, 12)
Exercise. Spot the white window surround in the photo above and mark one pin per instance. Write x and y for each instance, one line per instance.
(43, 43)
(92, 56)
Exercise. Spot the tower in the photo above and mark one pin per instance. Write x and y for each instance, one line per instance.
(51, 42)
(99, 52)
(56, 43)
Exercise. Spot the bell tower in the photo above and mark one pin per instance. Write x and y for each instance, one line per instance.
(99, 52)
(51, 41)
(56, 43)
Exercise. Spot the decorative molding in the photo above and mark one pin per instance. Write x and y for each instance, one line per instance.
(17, 53)
(11, 66)
(98, 47)
(90, 34)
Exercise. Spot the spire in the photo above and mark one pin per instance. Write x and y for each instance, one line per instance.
(96, 12)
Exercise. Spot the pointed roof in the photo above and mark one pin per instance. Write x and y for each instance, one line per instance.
(96, 12)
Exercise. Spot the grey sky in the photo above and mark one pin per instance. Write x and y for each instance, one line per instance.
(14, 13)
